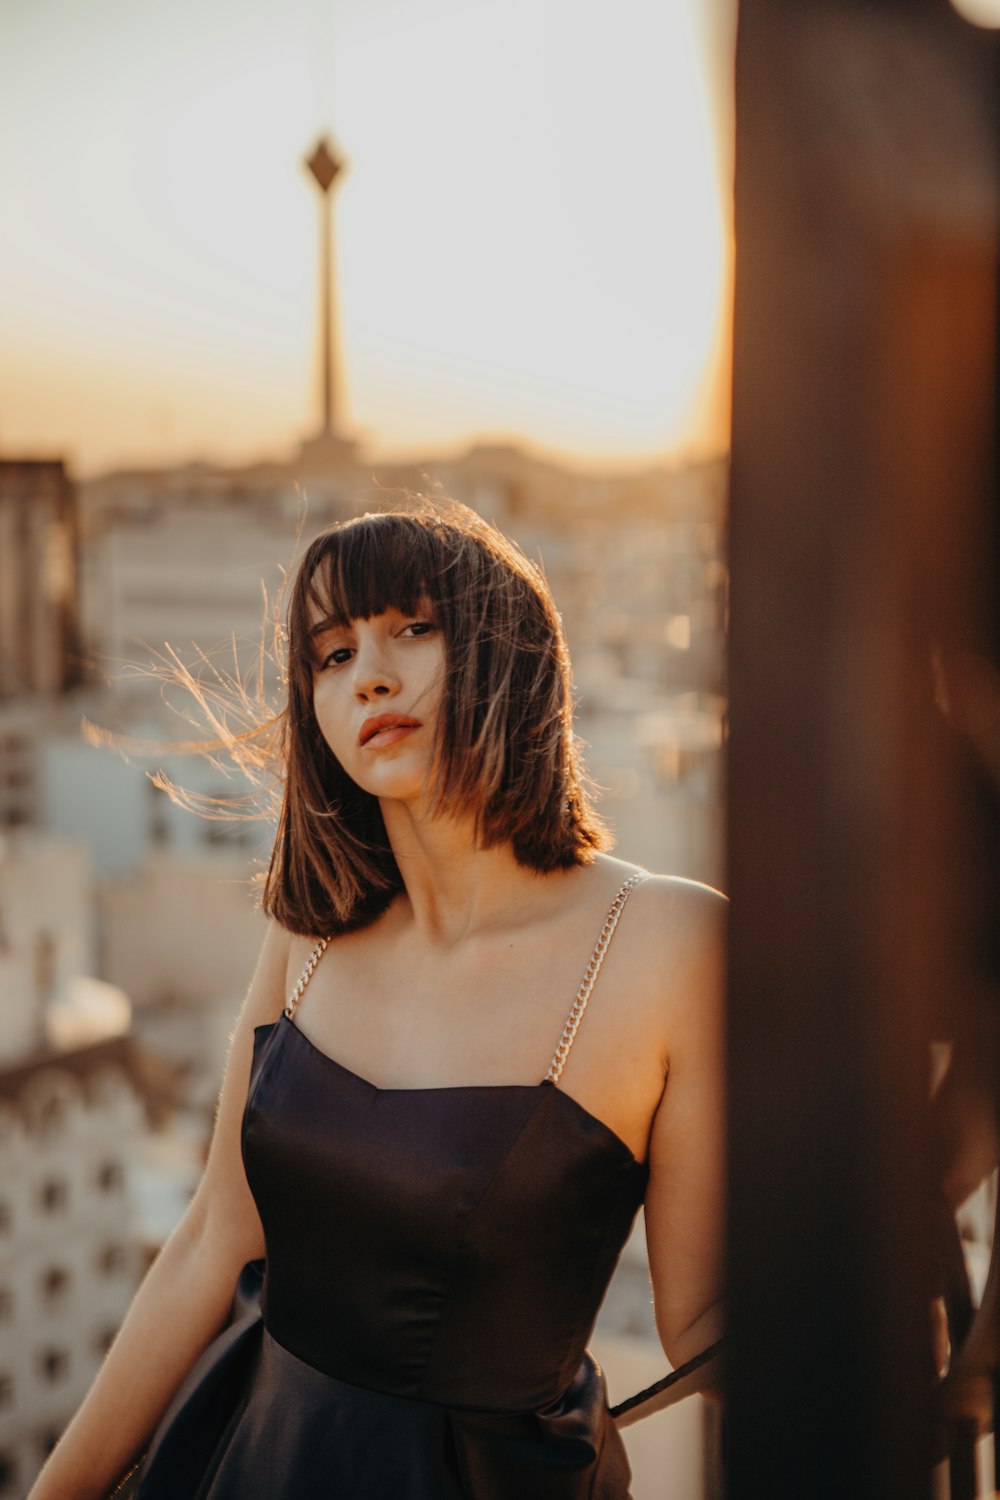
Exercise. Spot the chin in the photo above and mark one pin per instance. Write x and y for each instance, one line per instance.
(393, 788)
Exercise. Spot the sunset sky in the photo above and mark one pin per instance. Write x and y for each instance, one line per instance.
(533, 236)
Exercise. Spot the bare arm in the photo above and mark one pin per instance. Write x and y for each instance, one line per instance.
(185, 1298)
(686, 1194)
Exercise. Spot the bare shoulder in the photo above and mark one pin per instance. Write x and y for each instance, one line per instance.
(678, 921)
(674, 951)
(680, 902)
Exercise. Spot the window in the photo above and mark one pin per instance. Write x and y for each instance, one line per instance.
(6, 1390)
(54, 1365)
(52, 1116)
(224, 835)
(111, 1260)
(110, 1177)
(54, 1283)
(54, 1195)
(6, 1217)
(6, 1304)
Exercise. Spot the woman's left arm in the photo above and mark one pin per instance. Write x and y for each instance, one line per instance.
(685, 1199)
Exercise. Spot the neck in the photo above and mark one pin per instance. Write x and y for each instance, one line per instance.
(455, 888)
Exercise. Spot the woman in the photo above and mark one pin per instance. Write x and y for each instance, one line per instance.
(439, 1204)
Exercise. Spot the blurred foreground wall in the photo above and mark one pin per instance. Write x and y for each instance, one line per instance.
(863, 564)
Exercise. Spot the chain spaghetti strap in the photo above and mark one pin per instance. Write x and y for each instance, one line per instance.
(575, 1016)
(305, 976)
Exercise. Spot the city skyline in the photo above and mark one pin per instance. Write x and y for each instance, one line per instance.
(533, 237)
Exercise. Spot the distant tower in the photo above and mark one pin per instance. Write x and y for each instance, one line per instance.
(329, 447)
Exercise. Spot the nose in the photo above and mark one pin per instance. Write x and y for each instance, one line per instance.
(373, 677)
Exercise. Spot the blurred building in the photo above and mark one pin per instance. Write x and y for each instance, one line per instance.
(644, 608)
(40, 644)
(39, 627)
(71, 1125)
(88, 1147)
(182, 936)
(188, 573)
(47, 933)
(636, 562)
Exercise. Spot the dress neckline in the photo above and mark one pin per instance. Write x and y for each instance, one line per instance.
(546, 1084)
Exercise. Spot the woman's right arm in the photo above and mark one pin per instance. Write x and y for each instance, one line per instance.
(186, 1296)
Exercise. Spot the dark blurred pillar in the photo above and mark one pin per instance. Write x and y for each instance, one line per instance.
(862, 470)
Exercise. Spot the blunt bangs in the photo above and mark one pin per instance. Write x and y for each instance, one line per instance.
(367, 566)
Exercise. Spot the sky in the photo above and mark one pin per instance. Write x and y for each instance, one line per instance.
(533, 233)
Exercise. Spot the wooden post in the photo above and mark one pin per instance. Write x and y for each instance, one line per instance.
(866, 199)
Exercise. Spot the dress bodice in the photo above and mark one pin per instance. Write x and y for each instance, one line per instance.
(447, 1244)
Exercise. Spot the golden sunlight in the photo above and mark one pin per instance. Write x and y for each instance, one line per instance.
(532, 236)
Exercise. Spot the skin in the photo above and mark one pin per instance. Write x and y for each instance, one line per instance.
(468, 978)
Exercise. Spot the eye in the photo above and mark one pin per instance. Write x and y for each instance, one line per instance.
(417, 628)
(336, 658)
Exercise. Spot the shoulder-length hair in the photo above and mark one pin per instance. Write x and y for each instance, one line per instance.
(505, 751)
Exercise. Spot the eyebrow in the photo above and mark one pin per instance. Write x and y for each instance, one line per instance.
(331, 622)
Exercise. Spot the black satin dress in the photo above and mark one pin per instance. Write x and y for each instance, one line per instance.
(435, 1262)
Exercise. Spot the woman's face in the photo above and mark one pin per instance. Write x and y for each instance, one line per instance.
(377, 687)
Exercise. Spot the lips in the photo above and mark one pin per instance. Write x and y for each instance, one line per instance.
(382, 725)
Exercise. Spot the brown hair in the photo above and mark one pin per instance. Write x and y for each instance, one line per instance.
(505, 750)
